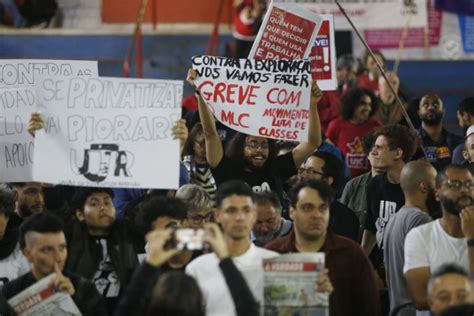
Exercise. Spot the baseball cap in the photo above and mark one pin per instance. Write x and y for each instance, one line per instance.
(470, 130)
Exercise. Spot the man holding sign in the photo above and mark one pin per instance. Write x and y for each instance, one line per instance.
(251, 157)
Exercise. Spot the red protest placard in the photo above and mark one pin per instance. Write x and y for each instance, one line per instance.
(323, 56)
(287, 32)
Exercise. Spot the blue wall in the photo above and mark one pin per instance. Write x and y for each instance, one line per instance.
(168, 57)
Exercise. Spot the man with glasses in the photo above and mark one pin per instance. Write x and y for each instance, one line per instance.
(446, 240)
(325, 166)
(438, 143)
(253, 159)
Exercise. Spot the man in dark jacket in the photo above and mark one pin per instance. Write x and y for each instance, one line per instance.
(101, 249)
(350, 271)
(42, 236)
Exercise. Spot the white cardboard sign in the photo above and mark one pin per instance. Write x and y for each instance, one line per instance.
(108, 132)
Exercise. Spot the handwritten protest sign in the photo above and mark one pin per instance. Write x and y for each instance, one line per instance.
(287, 32)
(266, 98)
(323, 56)
(17, 101)
(108, 132)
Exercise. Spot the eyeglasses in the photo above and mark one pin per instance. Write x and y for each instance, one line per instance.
(254, 145)
(457, 184)
(310, 171)
(196, 218)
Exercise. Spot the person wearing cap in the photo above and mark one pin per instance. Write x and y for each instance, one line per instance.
(346, 67)
(468, 148)
(328, 106)
(466, 119)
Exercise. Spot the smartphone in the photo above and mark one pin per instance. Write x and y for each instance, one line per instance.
(188, 239)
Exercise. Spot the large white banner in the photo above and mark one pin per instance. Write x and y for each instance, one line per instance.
(266, 98)
(370, 14)
(17, 101)
(108, 132)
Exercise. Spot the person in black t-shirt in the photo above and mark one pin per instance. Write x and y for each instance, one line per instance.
(253, 159)
(394, 146)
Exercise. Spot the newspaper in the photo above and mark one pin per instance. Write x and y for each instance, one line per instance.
(290, 283)
(42, 299)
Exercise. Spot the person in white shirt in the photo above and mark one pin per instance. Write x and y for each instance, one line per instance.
(236, 215)
(446, 240)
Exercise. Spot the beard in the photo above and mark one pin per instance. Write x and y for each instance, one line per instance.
(434, 206)
(248, 164)
(263, 237)
(24, 211)
(456, 206)
(432, 118)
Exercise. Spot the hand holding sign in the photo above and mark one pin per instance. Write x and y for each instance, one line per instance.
(192, 75)
(266, 98)
(36, 122)
(316, 93)
(180, 131)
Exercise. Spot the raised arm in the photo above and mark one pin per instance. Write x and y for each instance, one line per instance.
(214, 149)
(305, 149)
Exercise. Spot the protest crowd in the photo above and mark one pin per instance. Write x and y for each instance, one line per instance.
(384, 192)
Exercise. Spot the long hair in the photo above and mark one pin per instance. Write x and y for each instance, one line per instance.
(189, 145)
(350, 101)
(235, 149)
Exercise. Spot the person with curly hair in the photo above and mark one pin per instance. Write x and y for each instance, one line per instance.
(358, 107)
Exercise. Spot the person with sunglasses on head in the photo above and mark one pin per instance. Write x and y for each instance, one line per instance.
(199, 204)
(448, 239)
(254, 159)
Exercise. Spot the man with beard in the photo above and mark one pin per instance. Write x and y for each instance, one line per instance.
(29, 198)
(270, 224)
(417, 180)
(446, 240)
(438, 143)
(253, 159)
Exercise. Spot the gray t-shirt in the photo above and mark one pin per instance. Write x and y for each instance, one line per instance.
(395, 232)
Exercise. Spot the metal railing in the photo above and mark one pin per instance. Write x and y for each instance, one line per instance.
(136, 40)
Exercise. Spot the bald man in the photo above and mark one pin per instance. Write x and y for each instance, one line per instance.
(438, 143)
(417, 180)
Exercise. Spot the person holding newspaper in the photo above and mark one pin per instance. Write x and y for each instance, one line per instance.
(44, 245)
(350, 271)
